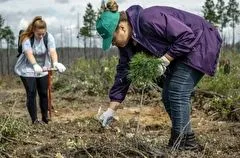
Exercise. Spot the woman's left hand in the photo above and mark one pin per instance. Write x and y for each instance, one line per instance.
(61, 68)
(163, 65)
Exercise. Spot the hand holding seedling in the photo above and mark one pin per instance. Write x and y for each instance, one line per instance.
(164, 62)
(143, 71)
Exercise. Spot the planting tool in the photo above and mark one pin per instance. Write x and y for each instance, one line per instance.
(50, 72)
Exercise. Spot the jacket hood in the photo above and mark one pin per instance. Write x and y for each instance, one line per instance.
(133, 14)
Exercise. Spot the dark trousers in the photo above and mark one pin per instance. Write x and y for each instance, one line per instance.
(40, 85)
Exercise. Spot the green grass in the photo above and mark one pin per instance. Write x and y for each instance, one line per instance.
(95, 77)
(227, 85)
(91, 77)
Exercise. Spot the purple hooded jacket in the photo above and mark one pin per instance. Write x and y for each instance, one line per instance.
(159, 30)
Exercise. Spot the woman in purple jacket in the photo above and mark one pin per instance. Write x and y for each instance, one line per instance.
(187, 44)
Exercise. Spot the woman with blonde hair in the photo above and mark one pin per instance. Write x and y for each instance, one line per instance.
(35, 54)
(187, 45)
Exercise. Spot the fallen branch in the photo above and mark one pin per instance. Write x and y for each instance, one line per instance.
(120, 153)
(136, 151)
(86, 151)
(123, 147)
(235, 109)
(208, 94)
(69, 98)
(204, 150)
(6, 154)
(8, 139)
(39, 149)
(30, 142)
(14, 140)
(44, 156)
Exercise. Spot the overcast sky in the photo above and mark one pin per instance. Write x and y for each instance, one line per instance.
(64, 13)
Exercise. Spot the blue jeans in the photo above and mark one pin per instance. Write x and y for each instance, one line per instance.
(178, 85)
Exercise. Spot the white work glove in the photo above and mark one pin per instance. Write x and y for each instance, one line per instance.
(163, 65)
(60, 67)
(37, 68)
(107, 117)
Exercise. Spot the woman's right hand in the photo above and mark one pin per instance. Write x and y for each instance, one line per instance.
(107, 117)
(37, 68)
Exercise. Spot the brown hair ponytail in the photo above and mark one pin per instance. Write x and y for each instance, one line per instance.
(113, 7)
(37, 23)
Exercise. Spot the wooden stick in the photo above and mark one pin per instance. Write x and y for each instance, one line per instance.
(49, 93)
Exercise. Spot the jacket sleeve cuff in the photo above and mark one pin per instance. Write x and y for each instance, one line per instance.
(170, 53)
(116, 100)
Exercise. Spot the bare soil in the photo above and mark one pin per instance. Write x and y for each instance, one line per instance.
(74, 131)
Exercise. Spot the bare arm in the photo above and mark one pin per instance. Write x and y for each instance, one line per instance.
(53, 54)
(30, 56)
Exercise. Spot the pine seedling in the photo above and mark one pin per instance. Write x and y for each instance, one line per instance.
(143, 70)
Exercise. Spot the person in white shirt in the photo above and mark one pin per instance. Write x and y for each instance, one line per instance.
(34, 57)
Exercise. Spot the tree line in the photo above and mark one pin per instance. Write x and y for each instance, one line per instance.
(6, 34)
(223, 14)
(217, 12)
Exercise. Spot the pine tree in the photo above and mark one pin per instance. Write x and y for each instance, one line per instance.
(85, 33)
(233, 14)
(1, 32)
(89, 23)
(143, 72)
(6, 34)
(209, 11)
(222, 14)
(1, 21)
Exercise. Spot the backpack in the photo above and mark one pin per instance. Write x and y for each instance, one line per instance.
(45, 40)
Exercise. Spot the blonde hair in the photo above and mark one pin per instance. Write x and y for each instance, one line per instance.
(112, 6)
(37, 23)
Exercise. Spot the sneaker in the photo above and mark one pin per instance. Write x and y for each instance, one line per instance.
(45, 120)
(37, 122)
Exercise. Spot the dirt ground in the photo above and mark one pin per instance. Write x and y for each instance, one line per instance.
(73, 131)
